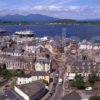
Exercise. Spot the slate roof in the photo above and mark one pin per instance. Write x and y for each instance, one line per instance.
(39, 73)
(72, 96)
(32, 88)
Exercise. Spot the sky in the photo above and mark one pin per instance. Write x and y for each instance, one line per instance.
(67, 9)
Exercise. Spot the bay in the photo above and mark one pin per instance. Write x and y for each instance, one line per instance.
(82, 31)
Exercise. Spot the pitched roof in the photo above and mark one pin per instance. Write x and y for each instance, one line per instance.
(72, 96)
(39, 73)
(32, 88)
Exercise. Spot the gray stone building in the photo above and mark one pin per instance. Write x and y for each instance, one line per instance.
(13, 62)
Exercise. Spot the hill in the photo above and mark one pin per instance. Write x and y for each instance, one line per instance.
(28, 18)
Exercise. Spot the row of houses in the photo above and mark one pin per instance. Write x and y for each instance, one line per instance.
(82, 67)
(89, 46)
(25, 54)
(13, 62)
(36, 75)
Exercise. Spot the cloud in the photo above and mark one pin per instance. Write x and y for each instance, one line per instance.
(55, 10)
(52, 8)
(38, 7)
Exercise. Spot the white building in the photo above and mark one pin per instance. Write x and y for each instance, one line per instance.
(43, 65)
(34, 77)
(89, 46)
(30, 48)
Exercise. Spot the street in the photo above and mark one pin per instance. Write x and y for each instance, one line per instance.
(58, 93)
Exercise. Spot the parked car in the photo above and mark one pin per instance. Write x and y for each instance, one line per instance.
(88, 88)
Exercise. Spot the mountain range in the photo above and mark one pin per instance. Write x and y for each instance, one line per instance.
(38, 19)
(28, 18)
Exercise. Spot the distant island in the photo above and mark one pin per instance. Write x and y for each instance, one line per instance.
(37, 19)
(51, 22)
(70, 21)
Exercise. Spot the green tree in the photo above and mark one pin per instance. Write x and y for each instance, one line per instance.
(92, 78)
(94, 98)
(7, 74)
(78, 82)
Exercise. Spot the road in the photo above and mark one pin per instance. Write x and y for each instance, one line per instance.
(52, 87)
(58, 93)
(59, 87)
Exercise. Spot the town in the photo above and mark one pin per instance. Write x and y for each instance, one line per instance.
(48, 68)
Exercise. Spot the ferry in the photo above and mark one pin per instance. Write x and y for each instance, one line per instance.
(24, 33)
(3, 30)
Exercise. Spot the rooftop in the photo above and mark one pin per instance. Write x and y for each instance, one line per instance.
(72, 96)
(31, 88)
(10, 94)
(39, 73)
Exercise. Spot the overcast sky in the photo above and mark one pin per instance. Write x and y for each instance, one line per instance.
(70, 9)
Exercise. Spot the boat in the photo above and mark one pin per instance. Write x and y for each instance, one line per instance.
(3, 30)
(24, 33)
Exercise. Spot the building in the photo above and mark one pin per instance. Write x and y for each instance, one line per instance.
(88, 46)
(87, 94)
(82, 67)
(18, 52)
(41, 75)
(34, 77)
(9, 94)
(97, 59)
(72, 96)
(2, 66)
(50, 48)
(43, 65)
(42, 52)
(13, 62)
(31, 91)
(30, 48)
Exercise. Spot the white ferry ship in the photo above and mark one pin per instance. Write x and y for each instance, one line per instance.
(24, 33)
(3, 30)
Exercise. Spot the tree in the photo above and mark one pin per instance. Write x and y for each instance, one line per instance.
(92, 78)
(7, 74)
(78, 82)
(94, 98)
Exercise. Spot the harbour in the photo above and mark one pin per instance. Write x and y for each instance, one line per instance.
(85, 31)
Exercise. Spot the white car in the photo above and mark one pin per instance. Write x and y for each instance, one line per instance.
(88, 88)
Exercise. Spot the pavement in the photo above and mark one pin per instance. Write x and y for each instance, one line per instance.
(58, 93)
(52, 87)
(48, 94)
(59, 88)
(56, 89)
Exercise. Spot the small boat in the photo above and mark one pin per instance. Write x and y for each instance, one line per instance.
(3, 30)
